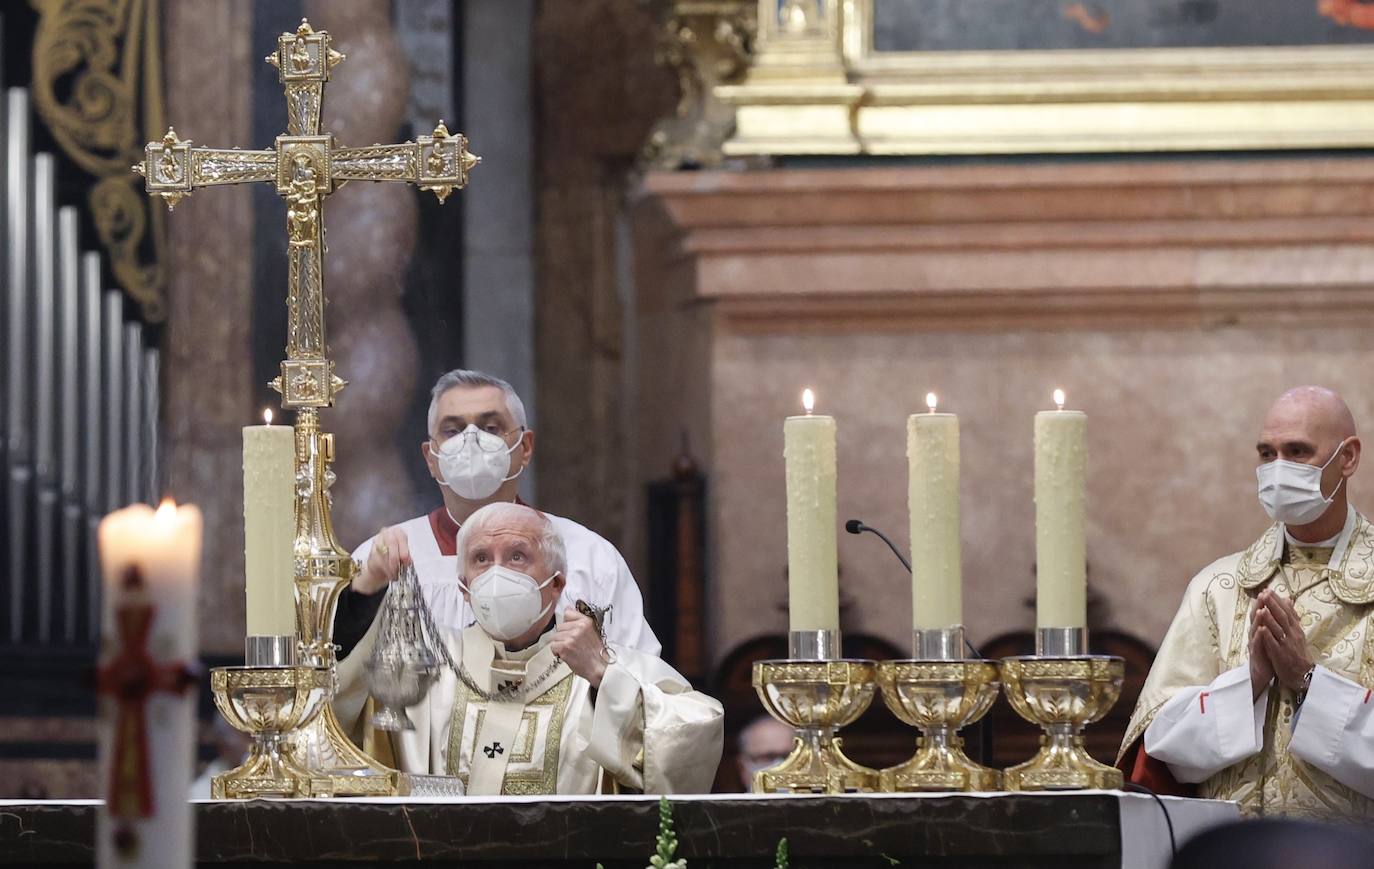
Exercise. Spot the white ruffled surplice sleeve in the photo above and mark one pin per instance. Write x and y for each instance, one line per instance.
(651, 731)
(1202, 730)
(1334, 730)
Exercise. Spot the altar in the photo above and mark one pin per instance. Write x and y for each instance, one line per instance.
(1080, 829)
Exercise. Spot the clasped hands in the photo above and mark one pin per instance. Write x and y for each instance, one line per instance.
(1278, 646)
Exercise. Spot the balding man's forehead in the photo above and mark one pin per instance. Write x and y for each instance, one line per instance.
(520, 530)
(1316, 410)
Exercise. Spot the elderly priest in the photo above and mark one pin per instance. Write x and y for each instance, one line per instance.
(1261, 690)
(540, 702)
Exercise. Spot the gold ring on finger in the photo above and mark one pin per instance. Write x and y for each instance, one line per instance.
(382, 548)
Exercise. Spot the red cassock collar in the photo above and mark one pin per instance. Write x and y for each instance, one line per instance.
(446, 530)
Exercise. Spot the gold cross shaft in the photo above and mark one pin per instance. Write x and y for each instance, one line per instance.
(306, 166)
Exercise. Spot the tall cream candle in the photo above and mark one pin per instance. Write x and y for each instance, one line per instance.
(812, 565)
(1060, 542)
(932, 451)
(269, 527)
(150, 563)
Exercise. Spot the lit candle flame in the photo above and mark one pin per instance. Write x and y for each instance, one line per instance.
(267, 416)
(1059, 398)
(808, 400)
(931, 401)
(166, 511)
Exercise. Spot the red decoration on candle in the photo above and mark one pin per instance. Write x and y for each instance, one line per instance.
(131, 677)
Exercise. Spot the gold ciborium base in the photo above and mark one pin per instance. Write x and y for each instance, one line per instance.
(939, 765)
(1062, 764)
(1062, 695)
(270, 771)
(816, 766)
(270, 704)
(939, 698)
(817, 698)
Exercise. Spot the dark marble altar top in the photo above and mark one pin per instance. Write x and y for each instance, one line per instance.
(1052, 830)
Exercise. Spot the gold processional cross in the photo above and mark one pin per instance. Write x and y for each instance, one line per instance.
(306, 166)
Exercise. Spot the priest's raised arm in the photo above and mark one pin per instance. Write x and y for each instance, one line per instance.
(1261, 689)
(539, 702)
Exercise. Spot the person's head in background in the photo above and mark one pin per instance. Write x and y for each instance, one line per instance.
(762, 743)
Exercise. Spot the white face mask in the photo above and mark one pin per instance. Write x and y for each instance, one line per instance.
(506, 601)
(1291, 492)
(474, 463)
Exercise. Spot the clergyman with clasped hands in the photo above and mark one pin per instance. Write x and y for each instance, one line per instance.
(1261, 692)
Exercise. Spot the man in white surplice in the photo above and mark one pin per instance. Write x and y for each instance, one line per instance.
(479, 444)
(540, 703)
(1261, 689)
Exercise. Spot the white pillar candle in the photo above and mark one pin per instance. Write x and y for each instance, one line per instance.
(269, 527)
(1060, 493)
(932, 451)
(150, 562)
(812, 565)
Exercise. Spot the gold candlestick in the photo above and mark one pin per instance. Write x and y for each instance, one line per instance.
(306, 165)
(816, 693)
(940, 698)
(270, 704)
(1062, 689)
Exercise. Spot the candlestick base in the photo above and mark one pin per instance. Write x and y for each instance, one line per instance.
(938, 644)
(267, 703)
(1062, 695)
(1061, 642)
(822, 644)
(939, 698)
(270, 650)
(816, 698)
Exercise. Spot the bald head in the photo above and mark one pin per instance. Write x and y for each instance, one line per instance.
(507, 533)
(1320, 410)
(1312, 425)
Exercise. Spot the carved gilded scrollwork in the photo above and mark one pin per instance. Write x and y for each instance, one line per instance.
(707, 43)
(97, 88)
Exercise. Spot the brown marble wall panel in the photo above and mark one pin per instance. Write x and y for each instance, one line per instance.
(208, 390)
(1172, 418)
(1172, 300)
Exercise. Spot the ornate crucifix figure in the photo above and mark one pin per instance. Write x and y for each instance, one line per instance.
(306, 166)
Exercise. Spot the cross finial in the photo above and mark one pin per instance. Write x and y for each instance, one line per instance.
(306, 165)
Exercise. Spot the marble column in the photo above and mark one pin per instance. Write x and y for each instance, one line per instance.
(598, 93)
(370, 233)
(498, 207)
(208, 389)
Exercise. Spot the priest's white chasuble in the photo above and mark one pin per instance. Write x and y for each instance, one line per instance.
(1197, 713)
(644, 729)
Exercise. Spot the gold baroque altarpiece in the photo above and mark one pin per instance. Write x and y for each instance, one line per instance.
(98, 88)
(813, 83)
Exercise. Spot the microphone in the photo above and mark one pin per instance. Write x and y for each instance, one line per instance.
(855, 526)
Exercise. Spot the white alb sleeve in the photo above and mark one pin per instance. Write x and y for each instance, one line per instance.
(1202, 730)
(1334, 730)
(628, 625)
